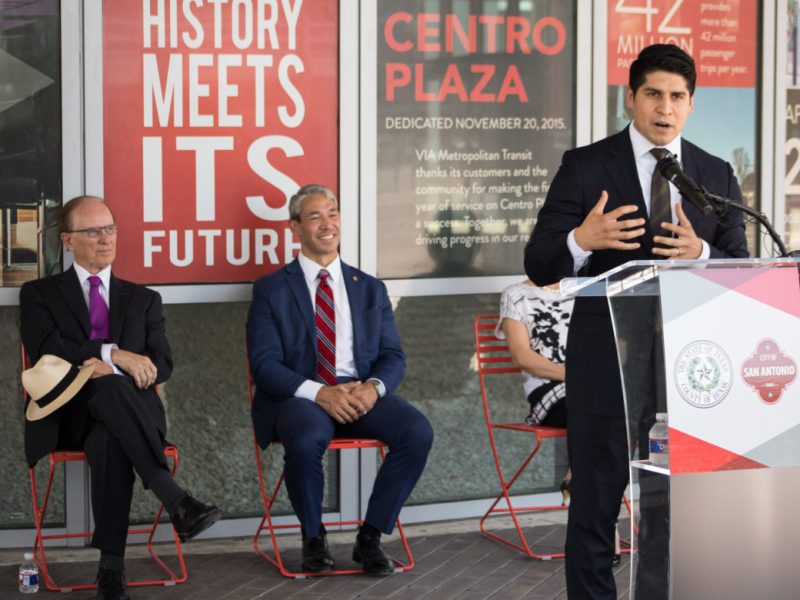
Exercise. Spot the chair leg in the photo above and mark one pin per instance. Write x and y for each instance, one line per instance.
(151, 531)
(511, 510)
(38, 517)
(276, 559)
(626, 545)
(407, 566)
(266, 523)
(39, 543)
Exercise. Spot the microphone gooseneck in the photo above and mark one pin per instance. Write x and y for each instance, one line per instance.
(671, 169)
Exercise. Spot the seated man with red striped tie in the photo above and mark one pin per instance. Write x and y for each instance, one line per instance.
(326, 359)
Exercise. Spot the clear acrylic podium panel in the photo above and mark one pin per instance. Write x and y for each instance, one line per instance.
(723, 523)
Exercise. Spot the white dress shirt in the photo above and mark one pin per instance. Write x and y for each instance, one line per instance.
(345, 360)
(645, 165)
(105, 285)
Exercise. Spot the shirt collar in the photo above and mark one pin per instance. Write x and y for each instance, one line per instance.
(83, 275)
(642, 146)
(311, 269)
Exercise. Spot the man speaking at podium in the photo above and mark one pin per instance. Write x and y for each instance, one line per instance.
(609, 204)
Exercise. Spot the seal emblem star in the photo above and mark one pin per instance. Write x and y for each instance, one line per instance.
(703, 374)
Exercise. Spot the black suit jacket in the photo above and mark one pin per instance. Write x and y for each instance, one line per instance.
(54, 319)
(593, 383)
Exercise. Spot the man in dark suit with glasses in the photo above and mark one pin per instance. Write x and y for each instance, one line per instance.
(89, 317)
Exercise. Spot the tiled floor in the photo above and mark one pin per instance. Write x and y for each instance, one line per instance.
(462, 564)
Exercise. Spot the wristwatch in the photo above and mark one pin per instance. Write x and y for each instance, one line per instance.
(379, 387)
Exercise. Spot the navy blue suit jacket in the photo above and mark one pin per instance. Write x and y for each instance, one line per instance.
(281, 338)
(593, 384)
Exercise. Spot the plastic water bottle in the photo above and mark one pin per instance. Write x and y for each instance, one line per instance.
(28, 575)
(659, 442)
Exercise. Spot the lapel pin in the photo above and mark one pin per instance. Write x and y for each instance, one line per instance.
(355, 277)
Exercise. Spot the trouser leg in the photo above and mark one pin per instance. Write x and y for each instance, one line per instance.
(112, 489)
(121, 431)
(598, 457)
(305, 430)
(129, 416)
(652, 570)
(409, 435)
(126, 437)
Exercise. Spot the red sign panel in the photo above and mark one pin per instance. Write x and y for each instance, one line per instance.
(719, 35)
(214, 114)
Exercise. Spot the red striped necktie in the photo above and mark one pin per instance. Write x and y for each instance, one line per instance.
(325, 316)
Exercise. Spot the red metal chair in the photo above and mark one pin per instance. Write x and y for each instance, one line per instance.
(494, 358)
(269, 500)
(40, 509)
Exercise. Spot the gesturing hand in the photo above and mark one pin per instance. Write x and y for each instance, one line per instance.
(138, 366)
(685, 244)
(600, 230)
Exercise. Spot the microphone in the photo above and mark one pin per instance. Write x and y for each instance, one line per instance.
(671, 169)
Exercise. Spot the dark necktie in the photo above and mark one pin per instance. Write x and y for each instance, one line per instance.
(98, 310)
(660, 204)
(325, 316)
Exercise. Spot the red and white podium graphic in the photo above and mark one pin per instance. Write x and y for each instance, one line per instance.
(731, 348)
(716, 344)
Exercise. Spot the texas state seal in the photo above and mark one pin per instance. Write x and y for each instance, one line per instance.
(703, 374)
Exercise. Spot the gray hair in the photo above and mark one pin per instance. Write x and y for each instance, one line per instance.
(312, 189)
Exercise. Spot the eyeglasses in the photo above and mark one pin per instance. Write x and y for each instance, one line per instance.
(96, 232)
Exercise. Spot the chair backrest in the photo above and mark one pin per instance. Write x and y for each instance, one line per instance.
(494, 358)
(251, 385)
(25, 364)
(492, 353)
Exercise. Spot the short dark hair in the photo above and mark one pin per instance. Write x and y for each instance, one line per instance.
(312, 189)
(64, 225)
(662, 57)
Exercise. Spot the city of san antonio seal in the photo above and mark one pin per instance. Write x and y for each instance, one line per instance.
(703, 374)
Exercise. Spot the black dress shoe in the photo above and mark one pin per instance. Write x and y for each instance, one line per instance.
(369, 552)
(316, 556)
(111, 585)
(193, 517)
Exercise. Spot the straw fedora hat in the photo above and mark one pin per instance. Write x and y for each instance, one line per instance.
(51, 383)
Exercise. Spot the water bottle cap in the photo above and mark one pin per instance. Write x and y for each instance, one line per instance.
(28, 556)
(661, 417)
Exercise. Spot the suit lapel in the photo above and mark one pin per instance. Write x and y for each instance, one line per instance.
(70, 288)
(624, 185)
(694, 169)
(297, 283)
(119, 296)
(623, 175)
(352, 283)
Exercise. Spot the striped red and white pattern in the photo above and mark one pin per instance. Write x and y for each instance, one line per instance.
(325, 316)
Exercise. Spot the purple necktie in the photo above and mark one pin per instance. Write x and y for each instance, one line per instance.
(98, 310)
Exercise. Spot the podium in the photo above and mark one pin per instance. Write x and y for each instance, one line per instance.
(715, 345)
